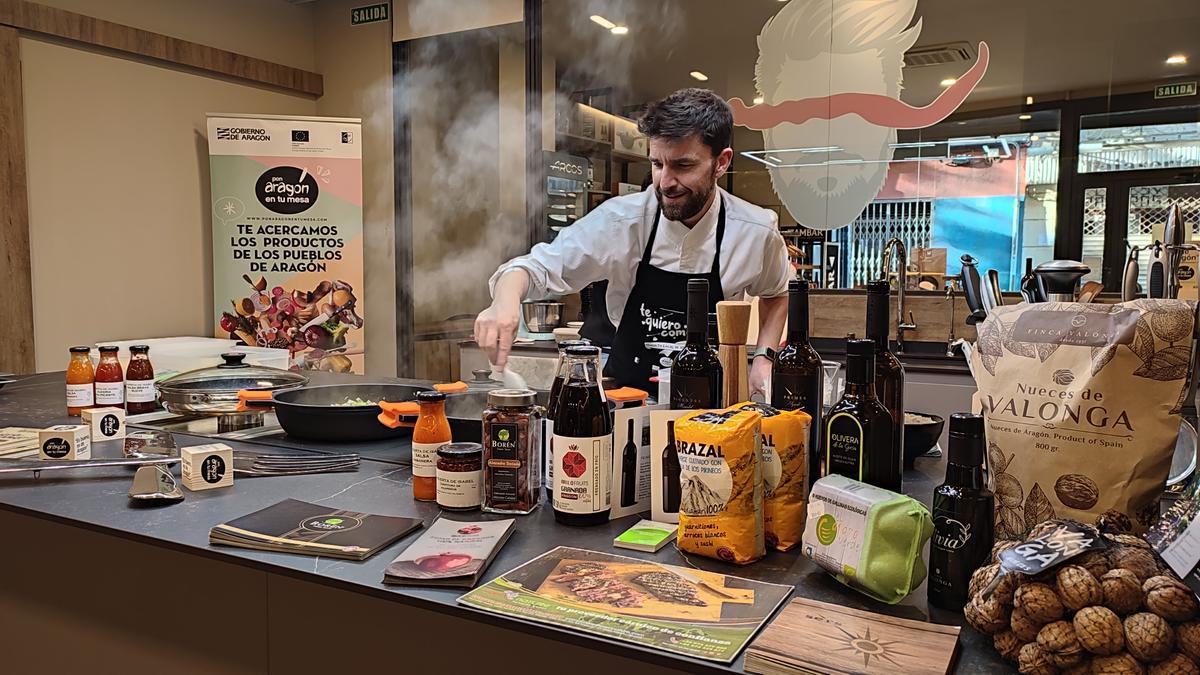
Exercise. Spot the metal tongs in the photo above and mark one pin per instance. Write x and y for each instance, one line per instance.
(38, 466)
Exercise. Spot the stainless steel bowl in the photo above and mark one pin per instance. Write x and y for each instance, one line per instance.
(542, 316)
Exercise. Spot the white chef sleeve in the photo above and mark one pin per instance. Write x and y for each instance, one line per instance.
(582, 253)
(772, 281)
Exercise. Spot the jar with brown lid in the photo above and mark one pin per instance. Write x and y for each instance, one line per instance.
(511, 442)
(458, 470)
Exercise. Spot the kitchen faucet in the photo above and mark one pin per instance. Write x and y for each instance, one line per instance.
(901, 282)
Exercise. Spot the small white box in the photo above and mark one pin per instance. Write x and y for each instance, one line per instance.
(106, 424)
(207, 466)
(65, 441)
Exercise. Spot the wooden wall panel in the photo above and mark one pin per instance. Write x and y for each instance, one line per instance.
(35, 18)
(16, 331)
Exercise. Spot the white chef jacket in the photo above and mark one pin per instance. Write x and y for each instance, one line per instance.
(608, 242)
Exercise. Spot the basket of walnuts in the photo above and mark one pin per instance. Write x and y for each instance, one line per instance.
(1119, 610)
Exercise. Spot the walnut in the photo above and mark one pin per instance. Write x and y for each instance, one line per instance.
(1039, 602)
(1175, 664)
(1128, 540)
(1000, 547)
(1119, 664)
(980, 579)
(1084, 667)
(1169, 598)
(1113, 521)
(1122, 592)
(1007, 644)
(1077, 588)
(1025, 628)
(1061, 645)
(1095, 562)
(1148, 637)
(1031, 660)
(1137, 560)
(1099, 630)
(988, 617)
(1188, 637)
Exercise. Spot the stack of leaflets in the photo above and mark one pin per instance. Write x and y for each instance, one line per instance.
(647, 536)
(293, 526)
(18, 442)
(450, 553)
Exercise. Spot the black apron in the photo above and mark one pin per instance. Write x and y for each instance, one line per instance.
(654, 320)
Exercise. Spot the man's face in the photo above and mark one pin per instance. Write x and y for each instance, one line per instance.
(685, 173)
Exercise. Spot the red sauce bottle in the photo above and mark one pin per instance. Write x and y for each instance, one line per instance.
(110, 379)
(139, 382)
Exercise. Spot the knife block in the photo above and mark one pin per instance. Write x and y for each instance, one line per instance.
(733, 323)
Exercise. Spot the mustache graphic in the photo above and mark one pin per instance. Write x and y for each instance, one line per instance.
(874, 108)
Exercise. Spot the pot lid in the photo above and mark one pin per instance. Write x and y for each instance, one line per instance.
(232, 376)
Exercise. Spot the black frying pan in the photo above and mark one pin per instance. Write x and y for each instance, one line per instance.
(314, 413)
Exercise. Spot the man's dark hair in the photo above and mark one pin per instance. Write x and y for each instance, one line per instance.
(687, 112)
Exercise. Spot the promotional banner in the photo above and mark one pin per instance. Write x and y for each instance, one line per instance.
(287, 236)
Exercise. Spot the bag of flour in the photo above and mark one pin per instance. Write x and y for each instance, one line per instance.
(1082, 404)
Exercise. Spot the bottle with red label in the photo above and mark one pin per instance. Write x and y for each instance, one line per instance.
(582, 443)
(110, 379)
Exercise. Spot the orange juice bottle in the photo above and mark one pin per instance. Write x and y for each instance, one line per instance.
(80, 381)
(431, 432)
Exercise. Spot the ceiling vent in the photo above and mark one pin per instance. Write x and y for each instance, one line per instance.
(937, 55)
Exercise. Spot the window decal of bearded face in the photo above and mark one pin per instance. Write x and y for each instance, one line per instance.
(830, 74)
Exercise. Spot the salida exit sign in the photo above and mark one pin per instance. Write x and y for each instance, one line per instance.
(370, 14)
(1175, 90)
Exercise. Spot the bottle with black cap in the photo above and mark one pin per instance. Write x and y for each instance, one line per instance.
(858, 430)
(889, 372)
(963, 509)
(582, 443)
(797, 373)
(696, 372)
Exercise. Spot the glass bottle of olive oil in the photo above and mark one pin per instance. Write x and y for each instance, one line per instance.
(858, 430)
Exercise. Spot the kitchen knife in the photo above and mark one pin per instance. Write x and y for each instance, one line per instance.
(1160, 266)
(972, 290)
(1129, 280)
(993, 287)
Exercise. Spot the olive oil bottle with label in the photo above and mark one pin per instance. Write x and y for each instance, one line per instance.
(796, 376)
(963, 515)
(857, 441)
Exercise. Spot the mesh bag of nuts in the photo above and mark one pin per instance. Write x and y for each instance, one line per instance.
(1082, 406)
(1118, 609)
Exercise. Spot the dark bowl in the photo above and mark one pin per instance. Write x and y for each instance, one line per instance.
(920, 438)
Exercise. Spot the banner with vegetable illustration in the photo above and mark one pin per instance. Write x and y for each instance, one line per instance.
(287, 236)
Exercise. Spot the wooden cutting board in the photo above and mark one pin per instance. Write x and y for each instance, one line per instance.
(653, 607)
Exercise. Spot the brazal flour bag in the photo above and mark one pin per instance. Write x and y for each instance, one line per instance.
(1082, 405)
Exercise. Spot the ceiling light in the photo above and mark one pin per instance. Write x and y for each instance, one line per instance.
(1028, 100)
(1176, 60)
(1035, 137)
(699, 75)
(605, 23)
(948, 81)
(619, 30)
(758, 100)
(1025, 116)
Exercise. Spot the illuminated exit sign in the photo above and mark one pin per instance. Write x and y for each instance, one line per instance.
(370, 14)
(1175, 90)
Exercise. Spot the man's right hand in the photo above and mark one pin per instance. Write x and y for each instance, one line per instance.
(495, 329)
(496, 326)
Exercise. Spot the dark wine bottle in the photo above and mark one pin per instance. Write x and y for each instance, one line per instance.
(629, 467)
(671, 489)
(796, 377)
(963, 512)
(582, 443)
(889, 372)
(696, 372)
(1030, 288)
(858, 429)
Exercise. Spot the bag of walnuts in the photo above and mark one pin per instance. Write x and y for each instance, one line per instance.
(1082, 403)
(1118, 610)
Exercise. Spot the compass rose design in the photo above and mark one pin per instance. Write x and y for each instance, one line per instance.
(868, 647)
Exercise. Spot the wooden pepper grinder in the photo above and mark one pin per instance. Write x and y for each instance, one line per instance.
(733, 323)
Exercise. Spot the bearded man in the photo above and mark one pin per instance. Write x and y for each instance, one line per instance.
(649, 244)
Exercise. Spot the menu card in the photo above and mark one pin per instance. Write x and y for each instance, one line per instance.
(819, 637)
(1176, 537)
(293, 526)
(450, 553)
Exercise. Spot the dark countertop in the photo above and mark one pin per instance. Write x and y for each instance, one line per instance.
(97, 500)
